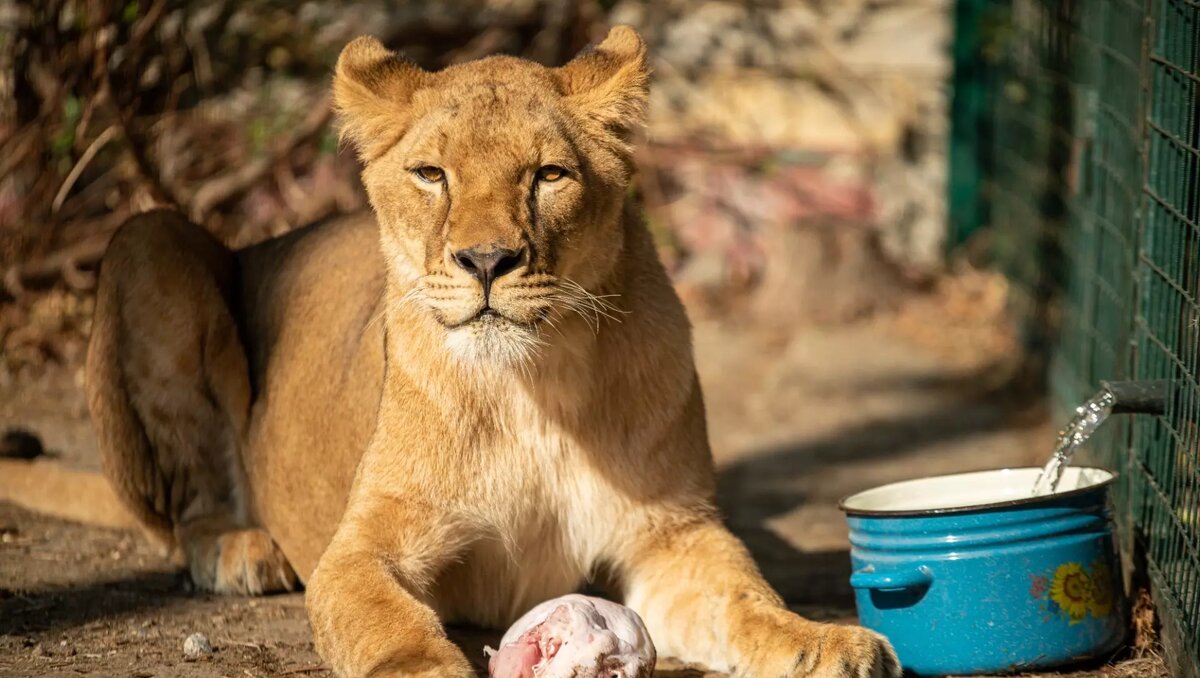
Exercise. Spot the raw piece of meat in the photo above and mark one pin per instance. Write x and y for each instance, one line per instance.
(575, 636)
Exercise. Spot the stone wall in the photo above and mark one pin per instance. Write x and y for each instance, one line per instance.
(805, 137)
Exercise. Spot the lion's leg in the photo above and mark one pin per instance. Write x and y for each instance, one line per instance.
(704, 601)
(368, 598)
(169, 395)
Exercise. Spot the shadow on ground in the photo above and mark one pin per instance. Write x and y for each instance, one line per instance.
(767, 484)
(58, 608)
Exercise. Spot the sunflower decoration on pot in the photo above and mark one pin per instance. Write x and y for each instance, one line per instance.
(1075, 591)
(1072, 590)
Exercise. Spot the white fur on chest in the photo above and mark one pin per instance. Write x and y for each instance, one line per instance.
(554, 516)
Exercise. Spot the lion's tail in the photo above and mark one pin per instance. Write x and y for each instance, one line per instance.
(47, 486)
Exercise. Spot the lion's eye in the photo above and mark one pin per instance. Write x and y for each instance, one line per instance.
(551, 173)
(430, 174)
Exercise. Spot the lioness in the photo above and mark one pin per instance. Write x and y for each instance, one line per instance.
(475, 401)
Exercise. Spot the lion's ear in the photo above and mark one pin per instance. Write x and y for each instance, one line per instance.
(608, 85)
(372, 87)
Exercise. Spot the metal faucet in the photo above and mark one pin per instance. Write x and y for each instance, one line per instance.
(1139, 397)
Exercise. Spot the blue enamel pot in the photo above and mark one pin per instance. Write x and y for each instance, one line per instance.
(968, 574)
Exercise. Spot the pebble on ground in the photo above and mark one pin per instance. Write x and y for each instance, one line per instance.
(197, 646)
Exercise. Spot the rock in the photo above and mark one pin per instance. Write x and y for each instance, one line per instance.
(20, 444)
(197, 646)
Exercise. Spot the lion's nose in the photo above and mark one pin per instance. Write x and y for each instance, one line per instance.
(488, 264)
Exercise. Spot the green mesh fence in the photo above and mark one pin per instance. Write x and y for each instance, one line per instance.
(1077, 144)
(1165, 454)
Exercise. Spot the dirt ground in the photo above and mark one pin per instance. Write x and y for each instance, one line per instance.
(798, 420)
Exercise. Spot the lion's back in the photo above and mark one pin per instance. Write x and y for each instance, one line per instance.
(314, 342)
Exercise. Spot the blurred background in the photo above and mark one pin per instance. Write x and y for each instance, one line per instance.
(912, 236)
(817, 130)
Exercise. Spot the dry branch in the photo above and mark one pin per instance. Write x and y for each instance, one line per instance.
(66, 263)
(229, 185)
(107, 135)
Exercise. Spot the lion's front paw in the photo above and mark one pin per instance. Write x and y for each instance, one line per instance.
(433, 658)
(854, 652)
(440, 659)
(779, 644)
(447, 671)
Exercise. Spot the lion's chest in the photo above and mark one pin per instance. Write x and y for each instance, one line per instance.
(549, 515)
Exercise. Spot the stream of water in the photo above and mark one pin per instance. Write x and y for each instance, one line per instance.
(1088, 417)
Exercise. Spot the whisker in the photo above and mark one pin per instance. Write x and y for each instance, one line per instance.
(551, 318)
(599, 301)
(575, 304)
(524, 297)
(599, 307)
(406, 299)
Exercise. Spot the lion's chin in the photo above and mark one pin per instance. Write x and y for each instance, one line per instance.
(492, 341)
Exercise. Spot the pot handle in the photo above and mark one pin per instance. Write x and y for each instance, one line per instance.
(868, 578)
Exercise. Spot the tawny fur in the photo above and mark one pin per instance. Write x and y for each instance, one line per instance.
(330, 401)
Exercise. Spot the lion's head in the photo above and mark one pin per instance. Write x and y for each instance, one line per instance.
(498, 184)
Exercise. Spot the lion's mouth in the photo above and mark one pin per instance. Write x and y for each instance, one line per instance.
(484, 318)
(491, 337)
